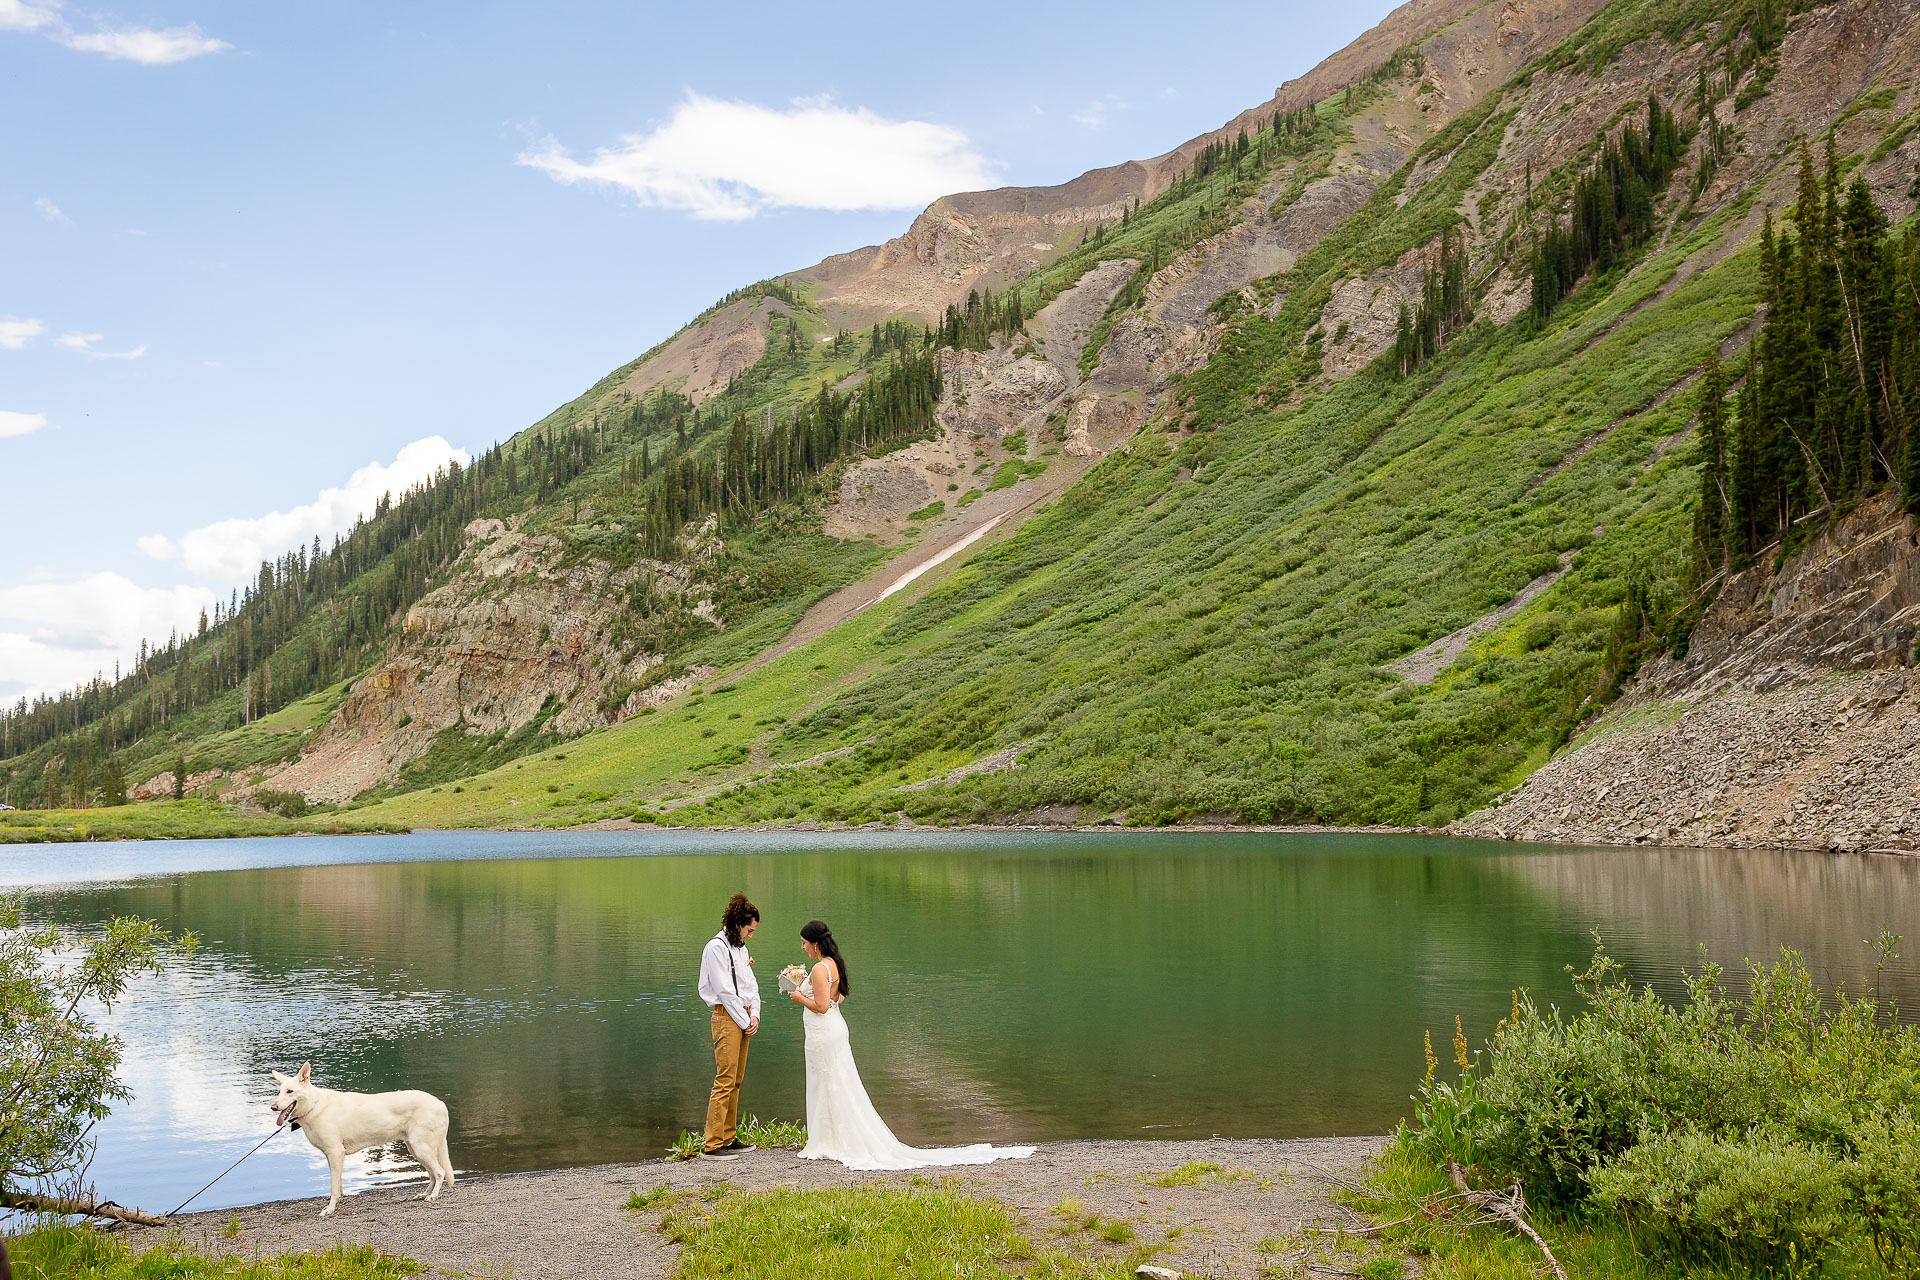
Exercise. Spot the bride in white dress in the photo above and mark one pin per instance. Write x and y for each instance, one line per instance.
(841, 1122)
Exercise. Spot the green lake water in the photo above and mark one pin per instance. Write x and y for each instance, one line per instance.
(1006, 987)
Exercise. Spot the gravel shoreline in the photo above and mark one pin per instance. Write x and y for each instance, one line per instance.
(1260, 1209)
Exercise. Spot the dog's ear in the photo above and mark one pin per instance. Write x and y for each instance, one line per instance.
(276, 1075)
(305, 1071)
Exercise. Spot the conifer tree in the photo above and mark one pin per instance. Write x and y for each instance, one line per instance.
(1831, 384)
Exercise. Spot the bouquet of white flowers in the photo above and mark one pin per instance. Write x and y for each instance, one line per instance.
(791, 977)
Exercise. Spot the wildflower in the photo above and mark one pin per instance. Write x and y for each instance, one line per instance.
(1459, 1043)
(1432, 1061)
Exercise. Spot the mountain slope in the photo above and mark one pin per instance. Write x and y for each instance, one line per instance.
(1157, 549)
(1198, 627)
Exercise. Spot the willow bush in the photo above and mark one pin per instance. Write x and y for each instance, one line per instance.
(1756, 1130)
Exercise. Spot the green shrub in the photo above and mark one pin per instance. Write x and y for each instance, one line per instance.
(1762, 1203)
(1883, 1183)
(1011, 472)
(1754, 1133)
(288, 804)
(1563, 1098)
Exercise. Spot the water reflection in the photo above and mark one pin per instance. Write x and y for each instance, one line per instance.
(1009, 987)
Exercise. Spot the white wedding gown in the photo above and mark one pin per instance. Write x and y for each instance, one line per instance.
(841, 1122)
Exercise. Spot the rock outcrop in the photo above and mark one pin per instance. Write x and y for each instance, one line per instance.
(1793, 720)
(519, 633)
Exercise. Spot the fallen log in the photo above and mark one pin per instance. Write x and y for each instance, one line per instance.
(82, 1208)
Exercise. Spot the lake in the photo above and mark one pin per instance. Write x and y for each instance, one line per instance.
(1006, 986)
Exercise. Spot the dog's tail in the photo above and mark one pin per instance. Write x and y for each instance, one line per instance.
(446, 1160)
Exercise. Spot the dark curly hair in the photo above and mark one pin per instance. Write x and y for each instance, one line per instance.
(816, 932)
(739, 911)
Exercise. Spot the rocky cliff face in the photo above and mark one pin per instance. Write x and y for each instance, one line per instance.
(520, 635)
(1793, 720)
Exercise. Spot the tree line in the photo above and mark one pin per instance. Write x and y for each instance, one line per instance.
(319, 614)
(757, 467)
(1829, 388)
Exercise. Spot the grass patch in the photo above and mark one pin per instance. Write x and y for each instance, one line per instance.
(755, 1132)
(864, 1233)
(788, 1134)
(81, 1253)
(1192, 1173)
(174, 820)
(1013, 471)
(658, 1197)
(935, 508)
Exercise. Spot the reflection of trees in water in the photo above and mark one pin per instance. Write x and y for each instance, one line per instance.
(1242, 985)
(1655, 906)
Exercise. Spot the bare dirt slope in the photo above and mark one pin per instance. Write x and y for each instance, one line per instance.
(1258, 1211)
(698, 361)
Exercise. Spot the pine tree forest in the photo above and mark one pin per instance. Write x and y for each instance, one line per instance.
(1829, 389)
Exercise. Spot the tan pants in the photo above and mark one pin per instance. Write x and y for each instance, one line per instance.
(729, 1067)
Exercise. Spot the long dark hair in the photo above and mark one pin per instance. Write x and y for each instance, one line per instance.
(816, 932)
(739, 911)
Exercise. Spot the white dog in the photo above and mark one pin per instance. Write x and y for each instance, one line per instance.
(339, 1124)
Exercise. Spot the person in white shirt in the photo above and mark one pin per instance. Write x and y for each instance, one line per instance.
(728, 988)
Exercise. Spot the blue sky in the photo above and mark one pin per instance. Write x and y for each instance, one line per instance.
(259, 261)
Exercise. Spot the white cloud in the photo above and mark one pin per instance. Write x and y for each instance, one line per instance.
(231, 550)
(17, 16)
(729, 160)
(49, 210)
(54, 635)
(144, 44)
(19, 424)
(14, 334)
(83, 342)
(129, 44)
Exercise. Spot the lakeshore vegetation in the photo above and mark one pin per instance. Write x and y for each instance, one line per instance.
(1770, 1133)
